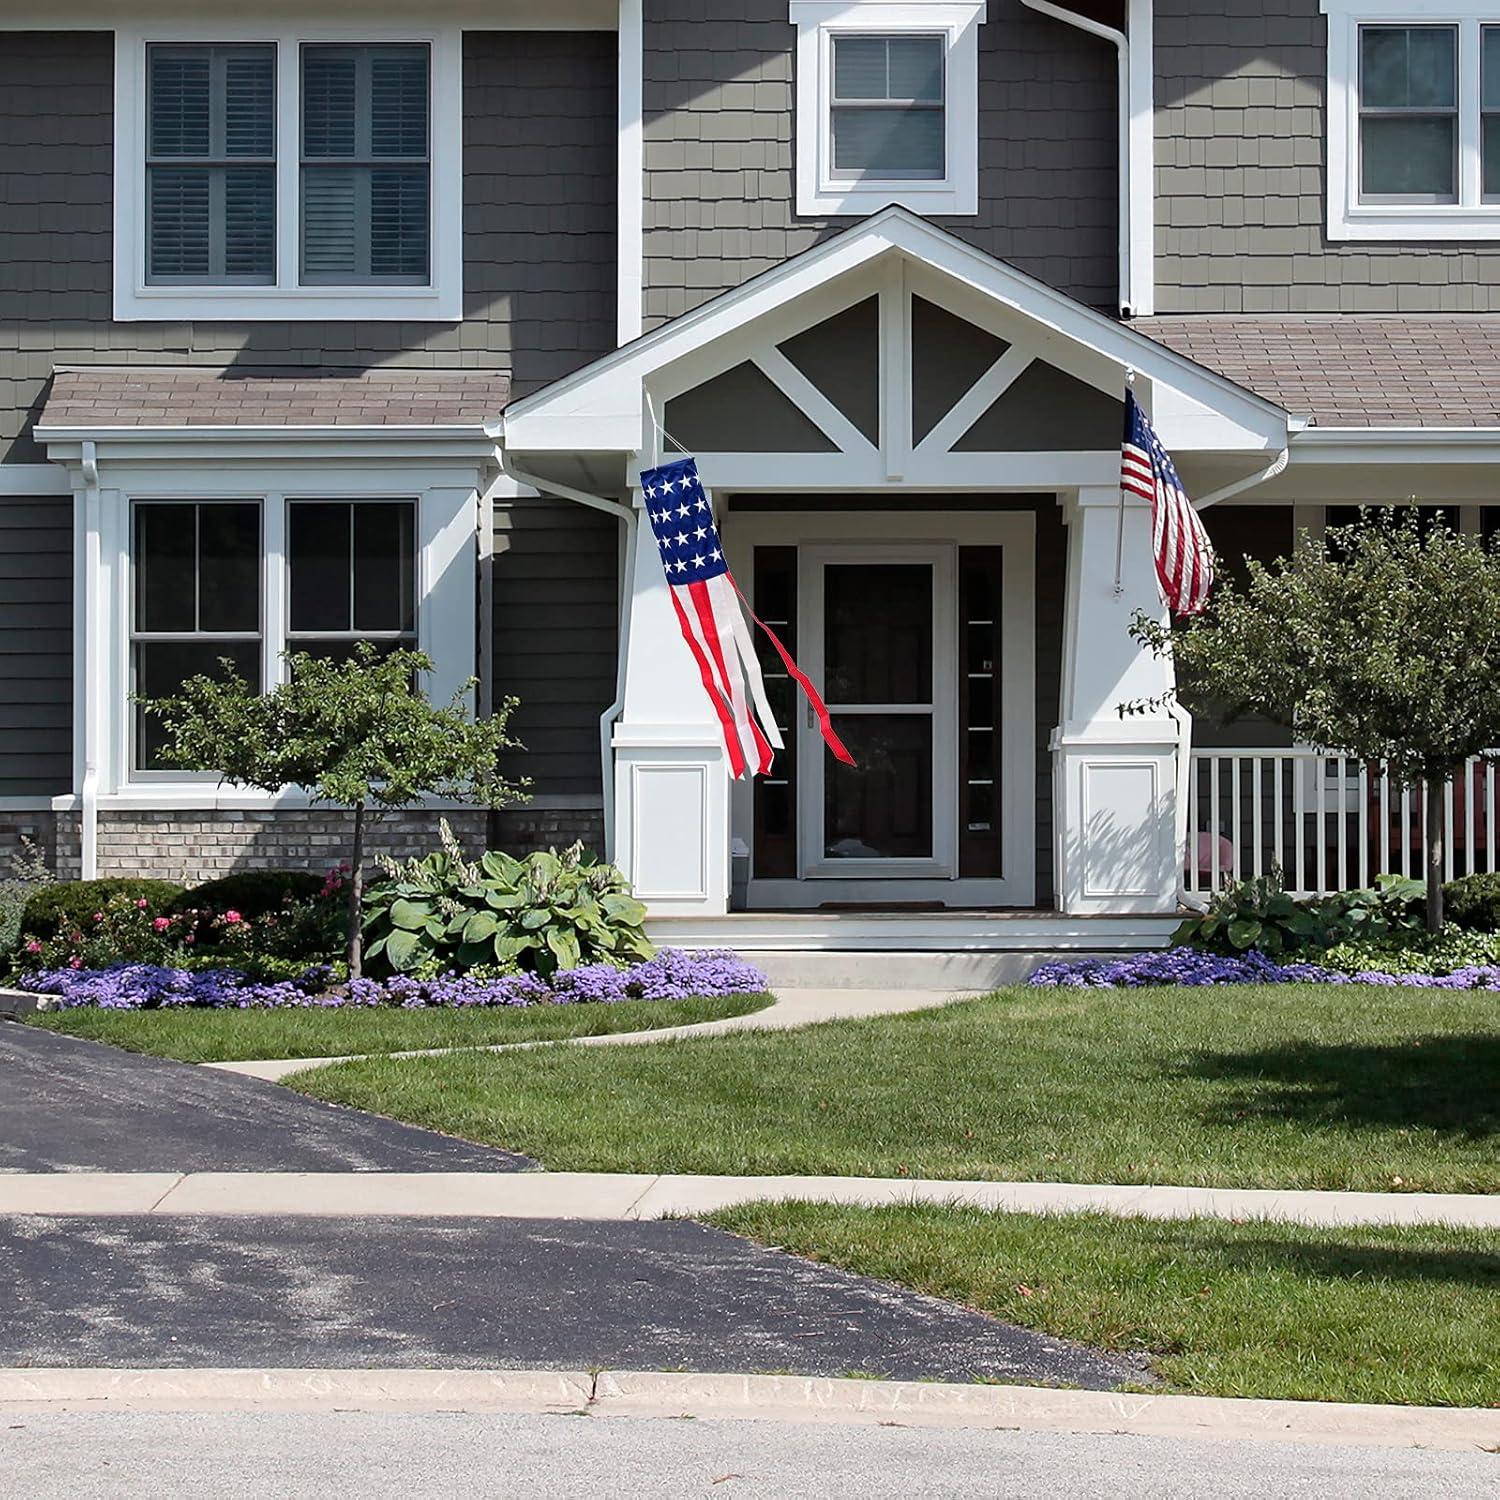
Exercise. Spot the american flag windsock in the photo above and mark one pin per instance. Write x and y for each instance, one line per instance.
(1184, 556)
(707, 601)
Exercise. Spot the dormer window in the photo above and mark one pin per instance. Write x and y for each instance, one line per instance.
(887, 106)
(288, 176)
(1413, 120)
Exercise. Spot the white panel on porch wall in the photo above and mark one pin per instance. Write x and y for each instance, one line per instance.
(672, 800)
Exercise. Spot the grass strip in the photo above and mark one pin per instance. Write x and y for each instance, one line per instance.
(1395, 1315)
(234, 1035)
(1274, 1086)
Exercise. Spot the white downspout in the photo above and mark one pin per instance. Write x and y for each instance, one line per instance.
(607, 719)
(93, 668)
(1137, 146)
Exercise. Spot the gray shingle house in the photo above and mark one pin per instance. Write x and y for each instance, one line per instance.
(361, 323)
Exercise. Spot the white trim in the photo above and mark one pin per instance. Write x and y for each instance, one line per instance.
(817, 22)
(485, 15)
(27, 481)
(631, 176)
(441, 301)
(1470, 218)
(600, 408)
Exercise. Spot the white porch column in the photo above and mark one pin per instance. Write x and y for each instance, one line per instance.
(1115, 778)
(671, 805)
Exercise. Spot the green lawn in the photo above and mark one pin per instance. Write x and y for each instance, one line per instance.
(1246, 1086)
(233, 1035)
(1251, 1309)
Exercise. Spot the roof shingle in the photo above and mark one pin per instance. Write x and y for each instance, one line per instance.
(157, 396)
(1352, 371)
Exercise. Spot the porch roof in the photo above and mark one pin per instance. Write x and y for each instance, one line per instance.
(1343, 371)
(97, 398)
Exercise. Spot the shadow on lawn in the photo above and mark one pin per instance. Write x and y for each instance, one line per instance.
(1366, 1263)
(1449, 1084)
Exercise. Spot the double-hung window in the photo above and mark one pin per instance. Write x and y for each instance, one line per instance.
(288, 176)
(1413, 120)
(207, 588)
(887, 105)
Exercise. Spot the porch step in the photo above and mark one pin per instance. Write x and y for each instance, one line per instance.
(897, 950)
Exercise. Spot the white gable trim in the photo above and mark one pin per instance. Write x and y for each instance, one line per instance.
(601, 408)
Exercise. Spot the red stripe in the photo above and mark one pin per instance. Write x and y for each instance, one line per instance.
(815, 701)
(726, 719)
(704, 606)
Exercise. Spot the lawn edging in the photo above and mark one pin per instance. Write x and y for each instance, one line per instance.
(629, 1393)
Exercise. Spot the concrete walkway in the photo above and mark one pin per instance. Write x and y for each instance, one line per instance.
(629, 1197)
(791, 1008)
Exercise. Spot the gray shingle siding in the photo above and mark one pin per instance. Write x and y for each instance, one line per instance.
(36, 645)
(539, 227)
(556, 613)
(1240, 92)
(720, 191)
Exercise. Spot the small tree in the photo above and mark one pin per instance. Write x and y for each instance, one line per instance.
(1382, 642)
(357, 733)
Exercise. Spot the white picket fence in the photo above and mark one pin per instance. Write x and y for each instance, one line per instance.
(1326, 822)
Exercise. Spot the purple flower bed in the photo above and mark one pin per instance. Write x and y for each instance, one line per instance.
(670, 975)
(1189, 966)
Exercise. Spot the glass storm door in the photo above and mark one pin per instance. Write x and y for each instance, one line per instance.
(880, 625)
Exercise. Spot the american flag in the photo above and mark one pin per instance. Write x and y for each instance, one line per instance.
(1184, 556)
(707, 601)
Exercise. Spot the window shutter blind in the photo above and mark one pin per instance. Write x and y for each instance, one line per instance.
(211, 178)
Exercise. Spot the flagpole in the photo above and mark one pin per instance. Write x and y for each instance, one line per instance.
(1120, 523)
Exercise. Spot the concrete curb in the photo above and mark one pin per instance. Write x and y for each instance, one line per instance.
(629, 1196)
(766, 1397)
(789, 1010)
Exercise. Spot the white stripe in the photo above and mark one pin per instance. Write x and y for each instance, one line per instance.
(748, 659)
(725, 612)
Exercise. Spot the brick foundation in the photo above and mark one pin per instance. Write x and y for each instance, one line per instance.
(190, 847)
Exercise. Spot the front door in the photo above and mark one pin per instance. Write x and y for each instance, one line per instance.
(880, 623)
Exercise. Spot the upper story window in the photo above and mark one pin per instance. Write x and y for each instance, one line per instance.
(288, 176)
(1413, 120)
(887, 105)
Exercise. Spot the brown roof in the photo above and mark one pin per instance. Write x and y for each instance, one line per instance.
(1352, 371)
(157, 396)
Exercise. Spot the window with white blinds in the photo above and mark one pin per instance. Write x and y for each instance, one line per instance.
(276, 170)
(211, 164)
(365, 172)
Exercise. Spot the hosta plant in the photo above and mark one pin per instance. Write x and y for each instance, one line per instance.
(546, 912)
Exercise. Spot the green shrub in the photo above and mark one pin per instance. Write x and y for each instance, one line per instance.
(28, 875)
(71, 904)
(546, 912)
(1415, 953)
(1473, 902)
(252, 893)
(1260, 914)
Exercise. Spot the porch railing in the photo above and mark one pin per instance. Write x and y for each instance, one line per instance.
(1327, 822)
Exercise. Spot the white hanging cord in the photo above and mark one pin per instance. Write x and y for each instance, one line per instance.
(662, 431)
(1120, 526)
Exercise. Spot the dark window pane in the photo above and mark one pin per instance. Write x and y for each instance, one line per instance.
(250, 222)
(343, 650)
(177, 221)
(859, 67)
(331, 218)
(249, 101)
(384, 566)
(1408, 67)
(165, 585)
(179, 105)
(1492, 156)
(161, 667)
(878, 633)
(881, 808)
(318, 546)
(229, 567)
(398, 101)
(1408, 156)
(329, 101)
(900, 141)
(1490, 83)
(398, 223)
(916, 68)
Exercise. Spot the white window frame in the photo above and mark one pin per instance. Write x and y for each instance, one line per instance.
(446, 572)
(439, 301)
(957, 22)
(1471, 218)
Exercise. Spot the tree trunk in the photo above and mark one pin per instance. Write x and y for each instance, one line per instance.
(355, 950)
(1435, 788)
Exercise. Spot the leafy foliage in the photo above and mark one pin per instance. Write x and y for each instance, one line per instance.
(70, 905)
(358, 733)
(1381, 642)
(253, 893)
(1473, 902)
(28, 874)
(544, 913)
(1258, 914)
(1445, 952)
